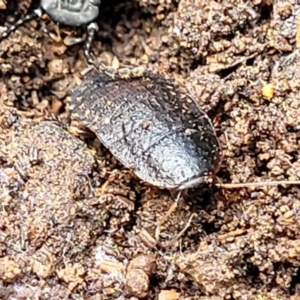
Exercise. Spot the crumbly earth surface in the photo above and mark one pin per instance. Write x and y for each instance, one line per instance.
(76, 224)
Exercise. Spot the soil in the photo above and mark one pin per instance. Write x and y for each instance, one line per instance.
(76, 224)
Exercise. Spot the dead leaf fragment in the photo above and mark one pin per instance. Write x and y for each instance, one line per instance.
(168, 295)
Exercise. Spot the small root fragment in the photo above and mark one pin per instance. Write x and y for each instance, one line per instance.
(172, 208)
(256, 184)
(147, 239)
(179, 235)
(164, 219)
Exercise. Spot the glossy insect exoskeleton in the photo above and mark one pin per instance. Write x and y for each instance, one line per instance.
(150, 126)
(66, 12)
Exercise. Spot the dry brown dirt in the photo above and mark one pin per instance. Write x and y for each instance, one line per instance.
(75, 224)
